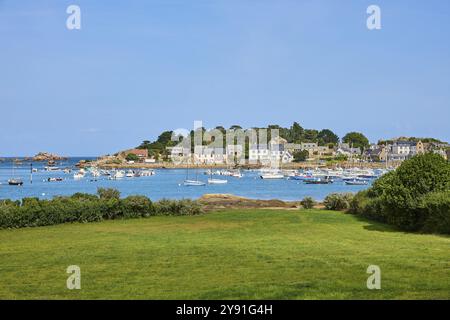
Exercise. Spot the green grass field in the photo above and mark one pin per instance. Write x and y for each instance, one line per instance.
(240, 254)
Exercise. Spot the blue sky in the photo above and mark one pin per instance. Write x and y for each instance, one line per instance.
(137, 68)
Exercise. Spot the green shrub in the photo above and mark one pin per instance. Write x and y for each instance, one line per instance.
(33, 212)
(435, 208)
(177, 207)
(108, 193)
(338, 201)
(406, 197)
(308, 202)
(136, 206)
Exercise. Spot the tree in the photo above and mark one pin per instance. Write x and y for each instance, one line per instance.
(296, 133)
(406, 197)
(132, 157)
(311, 135)
(357, 140)
(326, 137)
(300, 156)
(165, 137)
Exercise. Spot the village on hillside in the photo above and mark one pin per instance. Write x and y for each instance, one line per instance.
(285, 149)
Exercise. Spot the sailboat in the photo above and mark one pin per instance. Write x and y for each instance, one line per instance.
(211, 180)
(192, 183)
(15, 181)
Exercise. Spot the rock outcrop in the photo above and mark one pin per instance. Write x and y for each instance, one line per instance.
(217, 201)
(45, 156)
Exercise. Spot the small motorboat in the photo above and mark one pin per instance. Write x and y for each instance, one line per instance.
(193, 183)
(357, 182)
(51, 168)
(119, 174)
(236, 174)
(217, 181)
(272, 176)
(78, 175)
(325, 180)
(54, 179)
(15, 182)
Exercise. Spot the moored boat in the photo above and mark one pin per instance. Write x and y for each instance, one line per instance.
(357, 182)
(217, 181)
(15, 182)
(194, 183)
(272, 176)
(324, 180)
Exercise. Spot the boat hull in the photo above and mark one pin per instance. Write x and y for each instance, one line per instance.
(193, 183)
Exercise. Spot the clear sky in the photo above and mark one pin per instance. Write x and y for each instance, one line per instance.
(137, 68)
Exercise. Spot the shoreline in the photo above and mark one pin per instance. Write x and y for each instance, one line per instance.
(288, 166)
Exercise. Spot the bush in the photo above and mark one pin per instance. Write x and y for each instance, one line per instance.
(412, 197)
(308, 203)
(136, 206)
(177, 208)
(108, 193)
(33, 212)
(338, 201)
(435, 207)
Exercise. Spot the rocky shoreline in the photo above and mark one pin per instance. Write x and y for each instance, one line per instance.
(46, 156)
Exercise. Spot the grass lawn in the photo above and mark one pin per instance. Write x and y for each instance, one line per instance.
(236, 254)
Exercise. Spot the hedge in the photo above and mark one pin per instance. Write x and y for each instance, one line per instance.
(80, 207)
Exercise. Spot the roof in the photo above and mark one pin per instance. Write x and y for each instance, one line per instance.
(139, 152)
(405, 143)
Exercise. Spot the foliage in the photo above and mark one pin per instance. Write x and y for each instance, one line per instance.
(308, 202)
(412, 198)
(338, 201)
(131, 157)
(108, 193)
(356, 139)
(326, 137)
(301, 156)
(435, 207)
(33, 212)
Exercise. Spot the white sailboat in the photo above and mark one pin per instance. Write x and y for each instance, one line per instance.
(211, 180)
(192, 183)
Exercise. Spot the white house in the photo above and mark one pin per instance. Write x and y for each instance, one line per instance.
(208, 155)
(265, 155)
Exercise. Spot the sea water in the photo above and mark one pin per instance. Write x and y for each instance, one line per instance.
(166, 183)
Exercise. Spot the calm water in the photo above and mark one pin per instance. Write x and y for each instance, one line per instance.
(165, 184)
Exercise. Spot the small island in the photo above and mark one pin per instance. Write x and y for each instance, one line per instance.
(46, 156)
